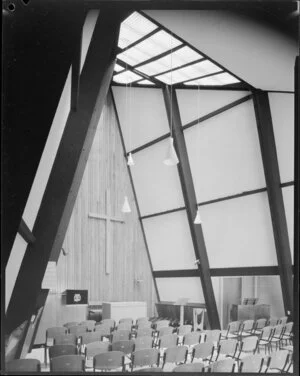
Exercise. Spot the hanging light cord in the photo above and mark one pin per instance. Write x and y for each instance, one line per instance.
(171, 116)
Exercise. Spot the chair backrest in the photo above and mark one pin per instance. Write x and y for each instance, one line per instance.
(67, 363)
(59, 350)
(109, 360)
(184, 329)
(124, 326)
(55, 330)
(283, 320)
(252, 363)
(65, 339)
(233, 327)
(145, 357)
(249, 343)
(203, 350)
(78, 329)
(23, 365)
(193, 367)
(228, 347)
(145, 342)
(277, 331)
(266, 333)
(278, 360)
(161, 323)
(71, 323)
(121, 335)
(90, 324)
(247, 325)
(142, 319)
(164, 330)
(90, 337)
(226, 365)
(288, 328)
(192, 338)
(126, 320)
(105, 329)
(175, 354)
(142, 332)
(97, 347)
(109, 322)
(212, 336)
(169, 340)
(260, 323)
(126, 346)
(144, 324)
(272, 321)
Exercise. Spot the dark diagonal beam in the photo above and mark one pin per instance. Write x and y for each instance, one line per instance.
(189, 195)
(272, 176)
(68, 168)
(26, 234)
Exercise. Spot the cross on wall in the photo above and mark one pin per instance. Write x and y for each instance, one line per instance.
(108, 218)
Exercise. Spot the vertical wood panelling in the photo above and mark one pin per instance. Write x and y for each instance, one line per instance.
(84, 265)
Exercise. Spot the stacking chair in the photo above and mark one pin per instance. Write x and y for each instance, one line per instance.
(110, 322)
(182, 330)
(143, 323)
(67, 363)
(251, 364)
(145, 342)
(248, 346)
(90, 324)
(227, 348)
(169, 340)
(278, 361)
(126, 346)
(65, 339)
(233, 330)
(212, 336)
(108, 361)
(265, 338)
(277, 336)
(164, 330)
(71, 323)
(287, 334)
(78, 329)
(50, 334)
(59, 350)
(142, 319)
(258, 326)
(126, 320)
(95, 348)
(142, 332)
(104, 330)
(282, 320)
(272, 321)
(121, 335)
(190, 340)
(175, 355)
(124, 326)
(23, 365)
(193, 367)
(203, 352)
(89, 337)
(145, 358)
(161, 323)
(225, 365)
(246, 328)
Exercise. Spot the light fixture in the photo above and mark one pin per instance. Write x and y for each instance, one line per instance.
(126, 206)
(130, 160)
(171, 157)
(198, 220)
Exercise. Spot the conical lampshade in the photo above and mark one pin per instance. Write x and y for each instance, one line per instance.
(197, 220)
(126, 206)
(171, 158)
(130, 160)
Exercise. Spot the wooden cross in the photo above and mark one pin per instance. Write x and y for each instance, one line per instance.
(108, 218)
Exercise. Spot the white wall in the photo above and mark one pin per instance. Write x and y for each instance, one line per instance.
(172, 289)
(261, 56)
(269, 292)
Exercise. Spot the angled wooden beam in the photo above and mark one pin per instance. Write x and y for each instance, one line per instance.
(189, 195)
(75, 82)
(26, 234)
(272, 176)
(68, 168)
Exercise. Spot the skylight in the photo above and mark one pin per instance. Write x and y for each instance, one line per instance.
(218, 79)
(180, 57)
(134, 28)
(145, 82)
(153, 46)
(118, 68)
(126, 77)
(192, 71)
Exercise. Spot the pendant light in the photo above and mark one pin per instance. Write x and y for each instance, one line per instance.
(126, 207)
(198, 220)
(130, 160)
(171, 157)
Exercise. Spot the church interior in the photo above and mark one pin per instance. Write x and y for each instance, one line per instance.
(150, 186)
